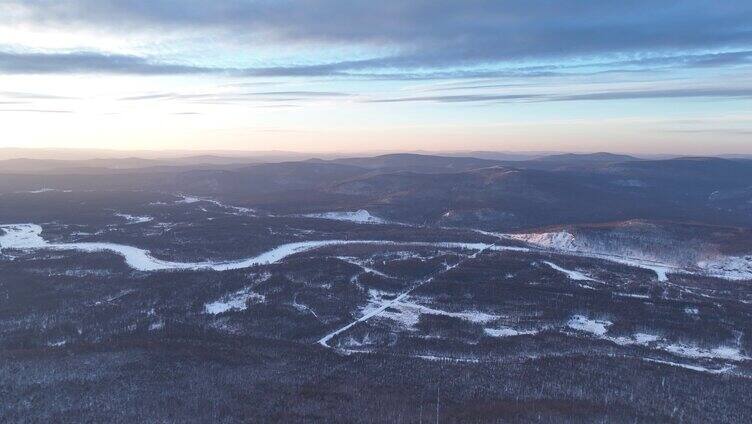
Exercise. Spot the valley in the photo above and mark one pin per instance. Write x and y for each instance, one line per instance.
(308, 302)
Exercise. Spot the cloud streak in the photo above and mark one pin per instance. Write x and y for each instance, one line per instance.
(90, 62)
(102, 63)
(36, 110)
(497, 28)
(426, 38)
(720, 92)
(238, 97)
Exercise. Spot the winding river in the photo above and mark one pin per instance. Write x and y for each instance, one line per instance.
(28, 237)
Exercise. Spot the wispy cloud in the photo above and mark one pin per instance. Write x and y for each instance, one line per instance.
(32, 96)
(713, 131)
(238, 96)
(468, 30)
(36, 110)
(725, 92)
(721, 92)
(425, 38)
(90, 62)
(461, 98)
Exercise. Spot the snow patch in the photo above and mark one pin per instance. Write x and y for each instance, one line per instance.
(573, 275)
(237, 301)
(729, 267)
(563, 241)
(599, 328)
(508, 332)
(560, 240)
(689, 351)
(407, 311)
(157, 325)
(435, 358)
(361, 216)
(188, 199)
(697, 368)
(643, 339)
(373, 312)
(632, 295)
(45, 190)
(363, 265)
(237, 210)
(134, 219)
(592, 326)
(725, 267)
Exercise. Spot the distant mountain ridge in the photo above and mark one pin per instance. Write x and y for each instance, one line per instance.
(599, 157)
(437, 190)
(418, 163)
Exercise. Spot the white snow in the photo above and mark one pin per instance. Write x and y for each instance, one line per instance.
(563, 241)
(237, 301)
(690, 351)
(697, 368)
(560, 240)
(729, 267)
(507, 332)
(28, 237)
(366, 340)
(363, 265)
(157, 325)
(134, 219)
(188, 199)
(22, 237)
(592, 326)
(114, 298)
(238, 210)
(45, 190)
(376, 311)
(407, 311)
(435, 358)
(643, 339)
(573, 275)
(303, 307)
(361, 216)
(632, 295)
(599, 328)
(726, 267)
(661, 270)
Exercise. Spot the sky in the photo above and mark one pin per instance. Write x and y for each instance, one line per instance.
(631, 76)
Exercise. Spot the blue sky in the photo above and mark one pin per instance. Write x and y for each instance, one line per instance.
(628, 76)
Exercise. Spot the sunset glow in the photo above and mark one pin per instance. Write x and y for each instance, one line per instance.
(385, 76)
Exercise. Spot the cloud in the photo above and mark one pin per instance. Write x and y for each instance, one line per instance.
(90, 62)
(718, 92)
(36, 110)
(299, 93)
(378, 69)
(713, 131)
(462, 98)
(425, 37)
(168, 96)
(230, 97)
(735, 92)
(32, 96)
